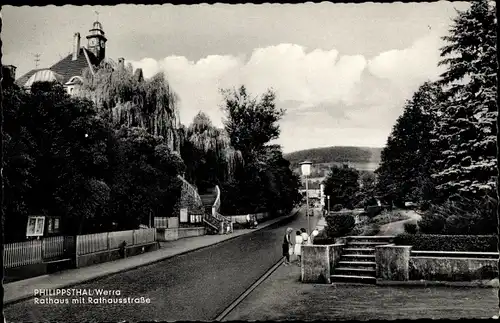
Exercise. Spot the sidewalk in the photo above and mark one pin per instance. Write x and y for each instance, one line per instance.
(283, 297)
(23, 289)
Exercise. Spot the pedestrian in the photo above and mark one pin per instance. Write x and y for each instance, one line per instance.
(305, 237)
(298, 246)
(287, 243)
(249, 223)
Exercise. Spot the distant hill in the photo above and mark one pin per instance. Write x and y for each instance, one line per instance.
(336, 154)
(361, 158)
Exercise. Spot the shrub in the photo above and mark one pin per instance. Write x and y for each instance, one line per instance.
(337, 207)
(373, 210)
(435, 242)
(461, 215)
(339, 225)
(323, 239)
(410, 227)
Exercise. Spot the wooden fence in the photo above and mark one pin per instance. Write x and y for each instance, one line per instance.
(22, 253)
(91, 243)
(161, 222)
(50, 248)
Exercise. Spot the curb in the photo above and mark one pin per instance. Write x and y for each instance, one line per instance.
(247, 292)
(25, 297)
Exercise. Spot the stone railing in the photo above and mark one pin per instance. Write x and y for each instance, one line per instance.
(190, 198)
(226, 225)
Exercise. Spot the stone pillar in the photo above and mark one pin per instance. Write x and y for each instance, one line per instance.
(392, 262)
(315, 264)
(335, 251)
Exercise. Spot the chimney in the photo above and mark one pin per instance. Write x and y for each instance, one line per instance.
(76, 46)
(121, 62)
(11, 70)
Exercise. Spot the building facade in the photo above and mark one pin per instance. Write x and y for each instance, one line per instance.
(69, 70)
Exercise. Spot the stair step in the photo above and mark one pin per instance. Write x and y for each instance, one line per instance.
(354, 257)
(370, 237)
(357, 264)
(360, 270)
(354, 279)
(359, 251)
(366, 243)
(354, 271)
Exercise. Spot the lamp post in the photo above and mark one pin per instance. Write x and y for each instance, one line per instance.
(305, 167)
(328, 198)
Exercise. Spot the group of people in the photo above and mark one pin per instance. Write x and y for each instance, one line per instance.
(292, 244)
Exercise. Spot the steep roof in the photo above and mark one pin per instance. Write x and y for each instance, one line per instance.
(66, 67)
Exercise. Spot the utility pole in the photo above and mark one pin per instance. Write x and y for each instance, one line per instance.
(37, 59)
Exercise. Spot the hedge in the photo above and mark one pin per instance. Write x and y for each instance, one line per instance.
(437, 242)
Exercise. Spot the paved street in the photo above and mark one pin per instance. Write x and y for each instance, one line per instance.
(193, 286)
(283, 297)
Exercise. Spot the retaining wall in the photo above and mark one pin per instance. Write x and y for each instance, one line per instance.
(453, 266)
(113, 254)
(242, 218)
(179, 233)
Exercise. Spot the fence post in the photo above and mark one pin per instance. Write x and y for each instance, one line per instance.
(107, 241)
(133, 237)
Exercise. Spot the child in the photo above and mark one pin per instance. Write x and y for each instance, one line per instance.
(298, 246)
(305, 236)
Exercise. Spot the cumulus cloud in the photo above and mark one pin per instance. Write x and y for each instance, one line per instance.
(344, 100)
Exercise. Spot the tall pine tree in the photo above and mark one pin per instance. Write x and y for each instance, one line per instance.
(406, 166)
(467, 126)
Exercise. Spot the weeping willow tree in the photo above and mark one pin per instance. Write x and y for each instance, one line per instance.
(208, 154)
(128, 100)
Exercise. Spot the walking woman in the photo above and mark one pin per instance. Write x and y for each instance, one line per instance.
(287, 245)
(298, 246)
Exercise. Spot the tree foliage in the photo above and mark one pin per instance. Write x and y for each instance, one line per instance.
(130, 101)
(342, 184)
(443, 148)
(400, 178)
(466, 130)
(208, 154)
(266, 182)
(64, 158)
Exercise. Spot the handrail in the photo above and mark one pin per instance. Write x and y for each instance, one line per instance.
(216, 207)
(189, 187)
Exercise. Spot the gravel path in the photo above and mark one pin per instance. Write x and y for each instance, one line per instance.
(395, 228)
(194, 286)
(283, 297)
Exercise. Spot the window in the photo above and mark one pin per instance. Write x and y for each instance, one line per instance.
(35, 226)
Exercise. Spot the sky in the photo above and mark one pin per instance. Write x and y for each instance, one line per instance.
(342, 71)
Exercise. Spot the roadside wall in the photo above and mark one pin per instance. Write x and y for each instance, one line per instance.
(452, 269)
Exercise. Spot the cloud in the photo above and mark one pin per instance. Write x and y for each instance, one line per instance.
(417, 63)
(331, 99)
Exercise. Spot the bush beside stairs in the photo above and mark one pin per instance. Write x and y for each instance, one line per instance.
(357, 261)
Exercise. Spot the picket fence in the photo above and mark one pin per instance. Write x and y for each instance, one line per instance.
(37, 251)
(91, 243)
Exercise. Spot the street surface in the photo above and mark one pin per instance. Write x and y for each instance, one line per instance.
(283, 297)
(195, 286)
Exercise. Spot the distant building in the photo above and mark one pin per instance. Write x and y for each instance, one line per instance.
(68, 71)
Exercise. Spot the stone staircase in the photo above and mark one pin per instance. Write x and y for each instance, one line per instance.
(357, 261)
(208, 199)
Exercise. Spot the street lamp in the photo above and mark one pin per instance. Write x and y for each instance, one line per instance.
(305, 167)
(328, 198)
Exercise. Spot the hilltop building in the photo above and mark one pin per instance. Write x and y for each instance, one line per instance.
(68, 71)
